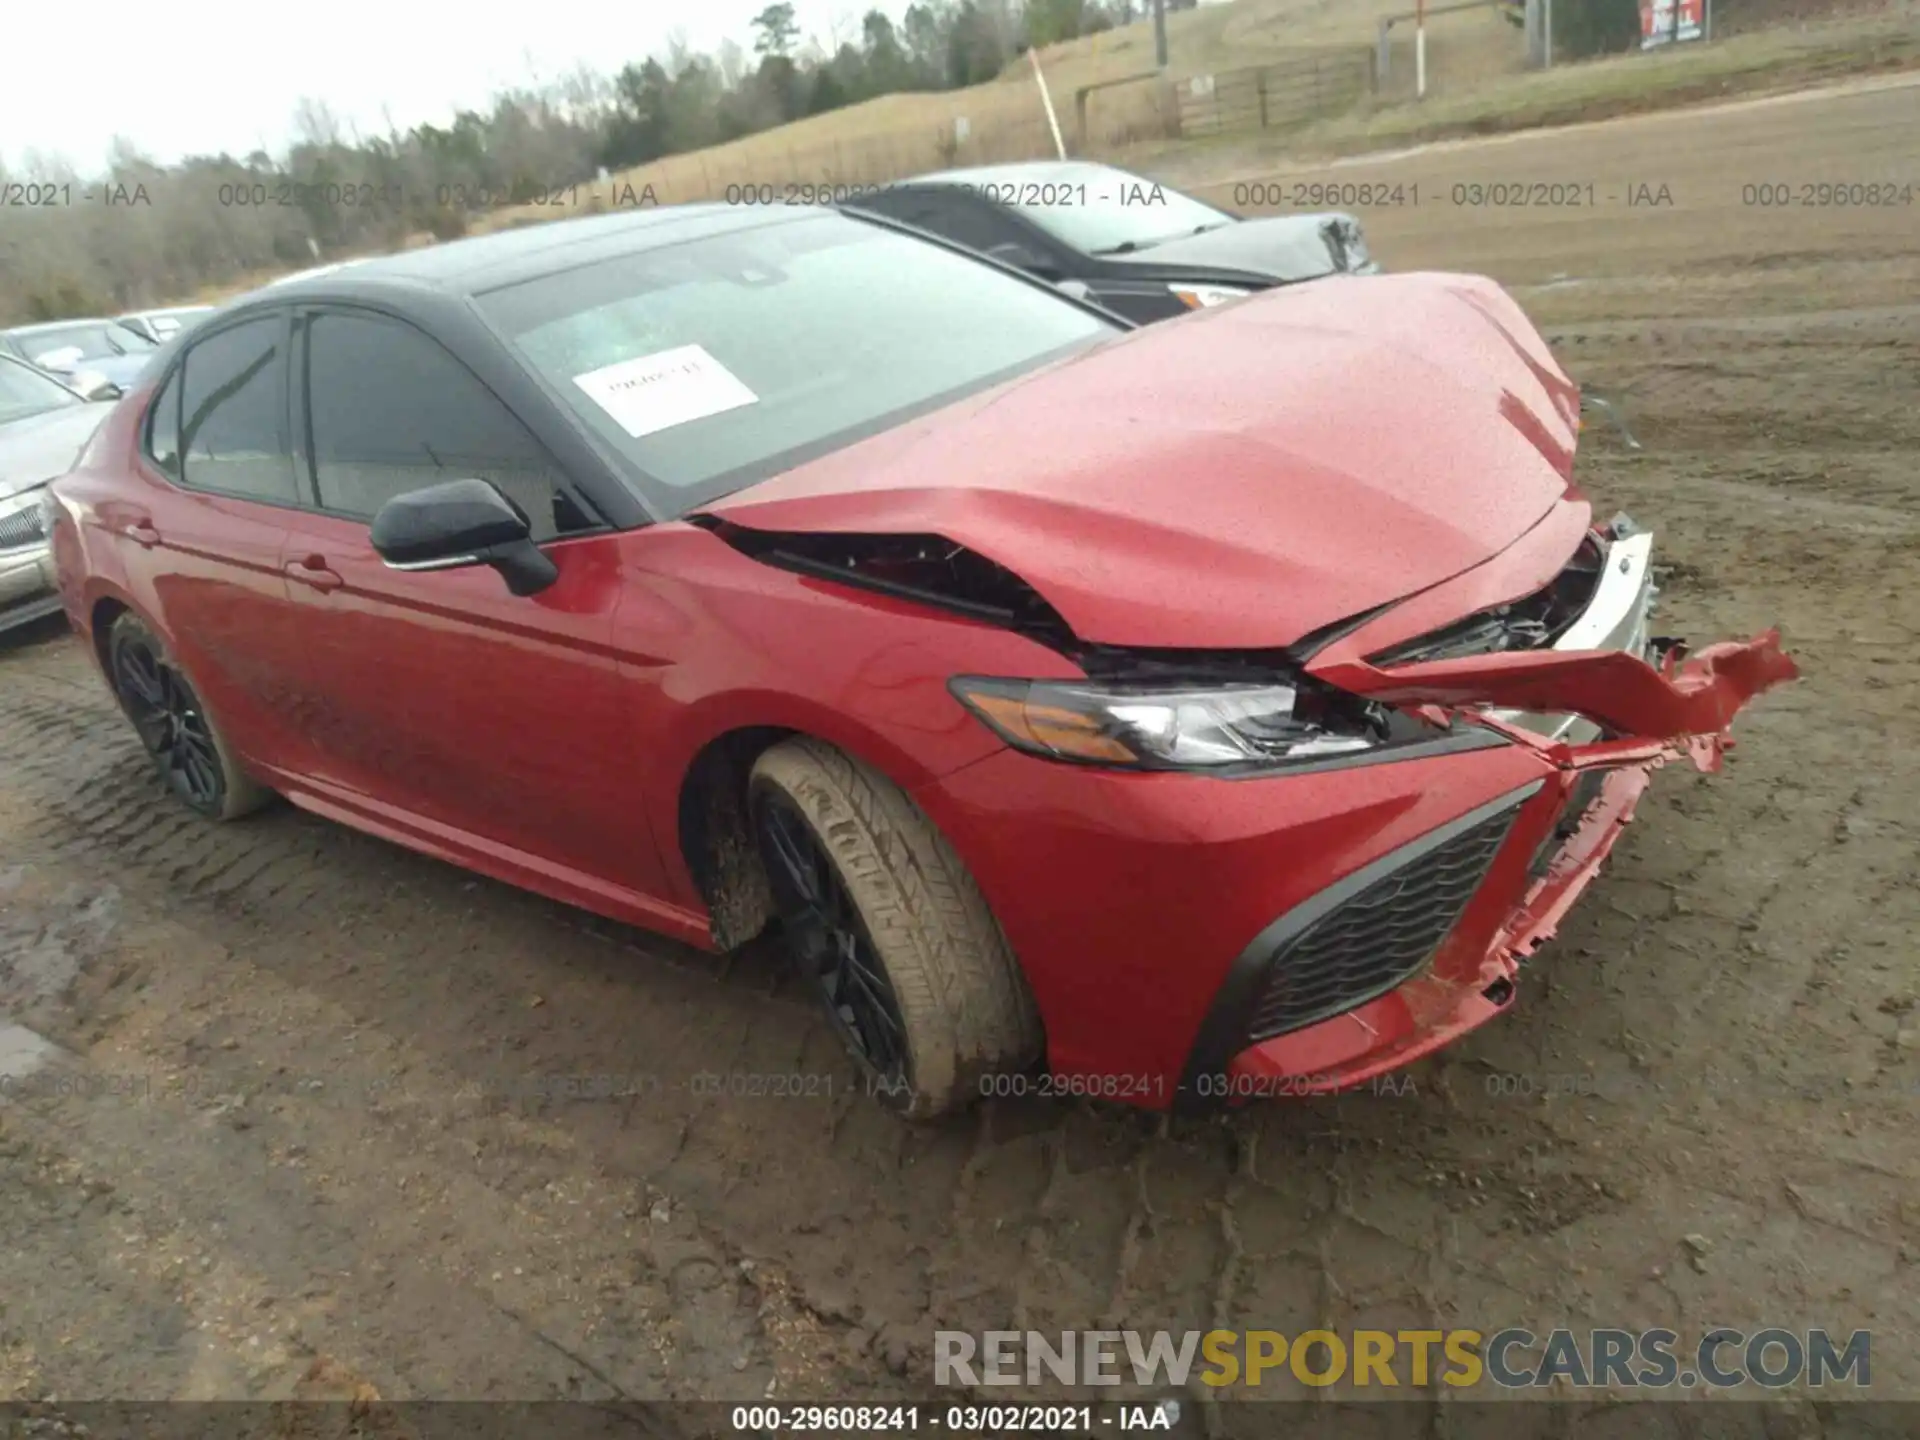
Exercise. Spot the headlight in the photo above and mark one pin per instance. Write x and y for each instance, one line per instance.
(1190, 728)
(49, 511)
(1198, 297)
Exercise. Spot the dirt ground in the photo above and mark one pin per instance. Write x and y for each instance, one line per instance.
(295, 1136)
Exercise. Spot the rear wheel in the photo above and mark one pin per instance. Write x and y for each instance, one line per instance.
(174, 726)
(887, 926)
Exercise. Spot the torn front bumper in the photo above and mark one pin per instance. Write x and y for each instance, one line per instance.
(1533, 879)
(1604, 693)
(1149, 910)
(1404, 956)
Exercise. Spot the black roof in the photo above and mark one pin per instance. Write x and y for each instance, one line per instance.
(506, 257)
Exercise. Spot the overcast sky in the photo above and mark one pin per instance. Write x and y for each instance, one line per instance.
(200, 76)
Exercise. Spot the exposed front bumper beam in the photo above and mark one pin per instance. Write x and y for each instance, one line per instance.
(1684, 707)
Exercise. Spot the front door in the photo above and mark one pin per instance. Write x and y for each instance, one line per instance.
(442, 703)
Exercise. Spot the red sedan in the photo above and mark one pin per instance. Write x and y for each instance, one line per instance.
(1219, 709)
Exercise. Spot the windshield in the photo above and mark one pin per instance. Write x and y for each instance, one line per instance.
(1098, 210)
(717, 362)
(25, 391)
(98, 340)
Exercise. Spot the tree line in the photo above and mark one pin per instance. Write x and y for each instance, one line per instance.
(143, 232)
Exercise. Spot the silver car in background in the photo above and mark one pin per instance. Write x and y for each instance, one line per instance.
(161, 326)
(43, 428)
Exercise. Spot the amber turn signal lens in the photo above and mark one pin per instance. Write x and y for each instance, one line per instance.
(1050, 728)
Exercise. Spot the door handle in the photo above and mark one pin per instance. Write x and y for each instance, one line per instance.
(313, 572)
(142, 533)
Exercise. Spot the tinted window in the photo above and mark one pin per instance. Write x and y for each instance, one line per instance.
(163, 427)
(710, 364)
(392, 411)
(233, 426)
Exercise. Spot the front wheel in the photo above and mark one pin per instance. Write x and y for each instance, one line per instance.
(885, 923)
(178, 733)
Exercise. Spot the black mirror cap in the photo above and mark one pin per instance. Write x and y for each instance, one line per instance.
(449, 521)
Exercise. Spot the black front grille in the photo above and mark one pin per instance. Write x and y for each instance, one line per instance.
(1380, 937)
(22, 527)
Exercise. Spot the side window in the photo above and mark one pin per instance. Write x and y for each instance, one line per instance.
(163, 427)
(233, 413)
(392, 411)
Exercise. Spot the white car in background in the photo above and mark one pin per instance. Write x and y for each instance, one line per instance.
(161, 326)
(315, 273)
(43, 427)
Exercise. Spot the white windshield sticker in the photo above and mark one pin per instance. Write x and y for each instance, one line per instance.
(657, 392)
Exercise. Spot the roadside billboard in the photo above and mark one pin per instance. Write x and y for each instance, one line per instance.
(1664, 20)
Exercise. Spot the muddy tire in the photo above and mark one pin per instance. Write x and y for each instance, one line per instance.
(908, 911)
(180, 736)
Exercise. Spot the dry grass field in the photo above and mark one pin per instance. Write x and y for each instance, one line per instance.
(1477, 84)
(900, 135)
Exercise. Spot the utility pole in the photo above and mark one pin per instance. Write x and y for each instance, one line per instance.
(1546, 25)
(1420, 50)
(1160, 33)
(1046, 98)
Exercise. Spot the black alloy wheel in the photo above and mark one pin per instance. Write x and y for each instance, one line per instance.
(829, 941)
(170, 721)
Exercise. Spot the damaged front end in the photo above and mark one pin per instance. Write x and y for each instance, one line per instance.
(1570, 669)
(1410, 800)
(1573, 669)
(1426, 942)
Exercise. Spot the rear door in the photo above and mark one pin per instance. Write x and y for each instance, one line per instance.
(201, 540)
(440, 701)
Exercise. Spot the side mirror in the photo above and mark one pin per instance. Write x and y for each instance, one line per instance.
(92, 385)
(1012, 253)
(459, 523)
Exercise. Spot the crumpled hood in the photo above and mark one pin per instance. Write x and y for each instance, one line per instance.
(43, 447)
(1235, 478)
